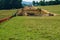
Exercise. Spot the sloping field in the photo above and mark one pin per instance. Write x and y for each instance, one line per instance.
(53, 8)
(6, 13)
(31, 28)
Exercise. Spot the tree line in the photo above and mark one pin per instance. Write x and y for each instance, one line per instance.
(14, 4)
(44, 3)
(10, 4)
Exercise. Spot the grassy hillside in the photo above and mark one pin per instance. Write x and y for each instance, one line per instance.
(53, 8)
(6, 13)
(31, 28)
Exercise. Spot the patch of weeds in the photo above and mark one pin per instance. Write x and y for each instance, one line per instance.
(13, 39)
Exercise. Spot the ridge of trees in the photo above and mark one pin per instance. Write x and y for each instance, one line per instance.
(10, 4)
(43, 3)
(15, 4)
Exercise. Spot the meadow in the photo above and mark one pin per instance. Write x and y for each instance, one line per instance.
(32, 27)
(6, 13)
(52, 8)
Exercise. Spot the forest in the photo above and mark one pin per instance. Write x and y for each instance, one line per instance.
(10, 4)
(15, 4)
(46, 3)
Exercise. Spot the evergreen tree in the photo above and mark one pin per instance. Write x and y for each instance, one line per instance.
(10, 4)
(57, 1)
(37, 3)
(33, 3)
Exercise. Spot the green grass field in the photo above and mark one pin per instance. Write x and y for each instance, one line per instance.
(6, 13)
(31, 27)
(53, 8)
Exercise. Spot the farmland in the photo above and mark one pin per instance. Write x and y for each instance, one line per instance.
(6, 13)
(53, 8)
(31, 27)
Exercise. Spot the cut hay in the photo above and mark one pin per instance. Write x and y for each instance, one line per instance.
(34, 11)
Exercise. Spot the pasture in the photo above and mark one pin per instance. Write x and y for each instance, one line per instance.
(53, 8)
(6, 13)
(31, 27)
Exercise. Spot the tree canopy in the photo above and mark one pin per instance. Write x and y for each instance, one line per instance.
(44, 2)
(10, 4)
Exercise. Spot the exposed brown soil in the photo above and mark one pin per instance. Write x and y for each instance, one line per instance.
(33, 11)
(4, 19)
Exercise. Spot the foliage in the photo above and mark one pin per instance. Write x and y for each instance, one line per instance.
(10, 4)
(43, 3)
(33, 2)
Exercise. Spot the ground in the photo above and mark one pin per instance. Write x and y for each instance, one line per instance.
(53, 8)
(6, 13)
(31, 28)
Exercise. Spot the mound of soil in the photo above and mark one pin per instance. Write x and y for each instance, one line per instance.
(33, 11)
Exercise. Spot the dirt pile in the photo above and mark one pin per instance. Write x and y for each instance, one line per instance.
(33, 11)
